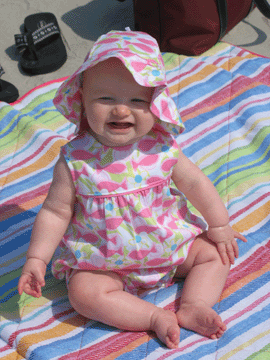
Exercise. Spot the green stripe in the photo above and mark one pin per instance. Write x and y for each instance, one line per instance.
(263, 354)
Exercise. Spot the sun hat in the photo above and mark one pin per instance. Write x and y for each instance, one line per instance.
(140, 53)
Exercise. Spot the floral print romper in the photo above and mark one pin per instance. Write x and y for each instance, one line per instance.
(127, 218)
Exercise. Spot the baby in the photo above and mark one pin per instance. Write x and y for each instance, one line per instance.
(118, 226)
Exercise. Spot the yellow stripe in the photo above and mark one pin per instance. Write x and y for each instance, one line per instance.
(245, 185)
(245, 345)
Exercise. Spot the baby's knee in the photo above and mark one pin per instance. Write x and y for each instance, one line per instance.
(88, 289)
(207, 252)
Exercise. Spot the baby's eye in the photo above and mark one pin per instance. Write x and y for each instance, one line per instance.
(139, 100)
(106, 99)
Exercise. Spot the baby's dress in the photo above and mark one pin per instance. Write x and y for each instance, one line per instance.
(127, 218)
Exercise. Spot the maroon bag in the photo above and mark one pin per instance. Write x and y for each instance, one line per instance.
(191, 27)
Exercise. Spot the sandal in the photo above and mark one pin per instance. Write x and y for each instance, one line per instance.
(41, 47)
(8, 92)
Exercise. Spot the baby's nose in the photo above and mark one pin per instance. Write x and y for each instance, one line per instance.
(121, 110)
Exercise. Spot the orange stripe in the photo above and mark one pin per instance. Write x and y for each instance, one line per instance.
(244, 281)
(253, 219)
(22, 207)
(13, 356)
(206, 71)
(33, 202)
(228, 65)
(63, 328)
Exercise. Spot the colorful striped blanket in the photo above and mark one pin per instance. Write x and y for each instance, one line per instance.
(224, 99)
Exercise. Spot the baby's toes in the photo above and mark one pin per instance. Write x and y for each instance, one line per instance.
(172, 338)
(221, 328)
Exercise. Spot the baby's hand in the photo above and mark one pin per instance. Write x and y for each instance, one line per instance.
(224, 238)
(32, 278)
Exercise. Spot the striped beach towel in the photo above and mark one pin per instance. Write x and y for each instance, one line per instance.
(224, 99)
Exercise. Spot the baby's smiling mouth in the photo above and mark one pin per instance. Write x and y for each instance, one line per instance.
(120, 125)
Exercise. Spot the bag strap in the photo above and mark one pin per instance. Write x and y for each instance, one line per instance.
(223, 16)
(264, 7)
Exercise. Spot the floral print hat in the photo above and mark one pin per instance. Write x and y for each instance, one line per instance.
(140, 53)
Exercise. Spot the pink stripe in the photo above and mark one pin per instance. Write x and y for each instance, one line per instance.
(38, 87)
(247, 309)
(25, 197)
(5, 348)
(240, 212)
(220, 59)
(228, 91)
(248, 51)
(252, 264)
(181, 349)
(106, 347)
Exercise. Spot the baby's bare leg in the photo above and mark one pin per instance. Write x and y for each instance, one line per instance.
(99, 295)
(205, 278)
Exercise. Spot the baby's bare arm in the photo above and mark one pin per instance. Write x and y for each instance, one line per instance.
(199, 190)
(54, 216)
(48, 230)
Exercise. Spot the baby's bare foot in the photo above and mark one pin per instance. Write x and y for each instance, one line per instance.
(164, 324)
(202, 319)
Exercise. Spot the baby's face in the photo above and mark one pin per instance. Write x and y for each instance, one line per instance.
(116, 106)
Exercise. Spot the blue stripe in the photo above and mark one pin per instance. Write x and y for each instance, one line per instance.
(26, 184)
(250, 67)
(199, 90)
(17, 219)
(9, 122)
(243, 293)
(241, 327)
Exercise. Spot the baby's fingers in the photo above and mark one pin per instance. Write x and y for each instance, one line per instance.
(29, 285)
(24, 280)
(232, 251)
(221, 247)
(239, 236)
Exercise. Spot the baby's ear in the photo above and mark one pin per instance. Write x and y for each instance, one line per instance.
(82, 95)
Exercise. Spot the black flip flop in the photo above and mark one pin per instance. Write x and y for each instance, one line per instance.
(8, 92)
(41, 47)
